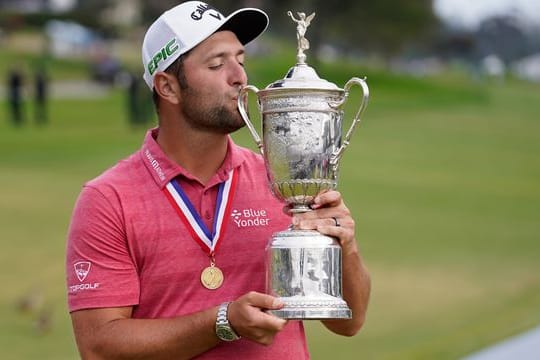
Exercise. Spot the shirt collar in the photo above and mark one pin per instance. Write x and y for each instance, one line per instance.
(163, 170)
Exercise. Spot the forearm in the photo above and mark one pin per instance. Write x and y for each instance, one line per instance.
(356, 290)
(126, 338)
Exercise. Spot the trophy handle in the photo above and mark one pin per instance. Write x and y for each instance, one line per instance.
(365, 96)
(243, 109)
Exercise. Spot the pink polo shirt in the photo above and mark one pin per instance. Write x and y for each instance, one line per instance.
(128, 247)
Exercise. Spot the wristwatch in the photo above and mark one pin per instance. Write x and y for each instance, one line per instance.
(224, 331)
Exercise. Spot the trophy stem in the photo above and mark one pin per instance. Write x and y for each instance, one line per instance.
(299, 209)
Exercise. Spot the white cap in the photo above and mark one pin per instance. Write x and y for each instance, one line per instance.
(183, 27)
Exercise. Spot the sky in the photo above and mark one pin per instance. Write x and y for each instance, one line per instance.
(468, 13)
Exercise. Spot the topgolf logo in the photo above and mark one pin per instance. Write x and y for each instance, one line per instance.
(82, 269)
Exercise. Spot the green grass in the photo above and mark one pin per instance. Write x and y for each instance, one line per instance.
(442, 176)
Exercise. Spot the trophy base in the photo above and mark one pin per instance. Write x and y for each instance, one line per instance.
(313, 310)
(304, 272)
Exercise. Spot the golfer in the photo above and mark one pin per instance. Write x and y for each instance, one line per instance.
(159, 263)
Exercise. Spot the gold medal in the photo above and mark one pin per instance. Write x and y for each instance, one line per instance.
(212, 277)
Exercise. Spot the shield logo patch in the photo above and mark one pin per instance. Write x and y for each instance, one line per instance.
(82, 268)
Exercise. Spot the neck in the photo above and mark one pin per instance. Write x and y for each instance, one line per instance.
(198, 152)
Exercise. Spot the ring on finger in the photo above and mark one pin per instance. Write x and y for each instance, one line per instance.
(336, 221)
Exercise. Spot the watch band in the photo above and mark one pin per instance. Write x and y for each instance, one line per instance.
(224, 331)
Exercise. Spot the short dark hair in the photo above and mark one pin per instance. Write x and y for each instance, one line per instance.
(176, 69)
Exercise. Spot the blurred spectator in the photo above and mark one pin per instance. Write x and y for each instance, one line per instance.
(15, 96)
(105, 68)
(139, 102)
(40, 95)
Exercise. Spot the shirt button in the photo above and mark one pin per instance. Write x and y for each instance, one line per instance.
(207, 215)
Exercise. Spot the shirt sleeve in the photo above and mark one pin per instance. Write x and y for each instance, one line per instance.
(100, 271)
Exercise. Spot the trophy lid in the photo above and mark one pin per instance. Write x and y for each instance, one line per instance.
(302, 76)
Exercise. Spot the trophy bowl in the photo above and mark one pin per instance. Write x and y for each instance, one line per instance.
(301, 133)
(302, 120)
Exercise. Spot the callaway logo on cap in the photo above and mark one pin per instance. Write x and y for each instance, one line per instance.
(183, 27)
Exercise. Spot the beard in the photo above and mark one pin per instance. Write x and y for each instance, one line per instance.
(204, 115)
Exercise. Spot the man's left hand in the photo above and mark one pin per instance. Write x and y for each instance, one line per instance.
(330, 217)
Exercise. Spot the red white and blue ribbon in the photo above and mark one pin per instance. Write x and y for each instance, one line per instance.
(208, 240)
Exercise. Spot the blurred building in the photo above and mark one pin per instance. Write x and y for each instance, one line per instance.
(29, 6)
(69, 39)
(528, 68)
(116, 12)
(123, 13)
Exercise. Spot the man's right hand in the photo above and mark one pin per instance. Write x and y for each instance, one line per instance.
(249, 320)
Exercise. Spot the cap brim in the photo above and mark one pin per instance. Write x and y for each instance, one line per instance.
(247, 24)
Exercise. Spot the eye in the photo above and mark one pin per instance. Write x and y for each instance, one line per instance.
(215, 67)
(240, 60)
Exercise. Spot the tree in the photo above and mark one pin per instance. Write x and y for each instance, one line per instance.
(382, 26)
(502, 35)
(81, 14)
(152, 9)
(369, 26)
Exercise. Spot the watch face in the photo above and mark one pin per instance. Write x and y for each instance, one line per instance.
(225, 333)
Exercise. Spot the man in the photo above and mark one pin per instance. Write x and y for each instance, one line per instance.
(15, 96)
(156, 265)
(40, 95)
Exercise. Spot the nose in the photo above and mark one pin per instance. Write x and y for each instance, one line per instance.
(237, 76)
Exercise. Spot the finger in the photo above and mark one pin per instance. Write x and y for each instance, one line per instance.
(251, 308)
(271, 323)
(341, 212)
(252, 322)
(328, 198)
(334, 231)
(287, 209)
(324, 216)
(264, 301)
(345, 236)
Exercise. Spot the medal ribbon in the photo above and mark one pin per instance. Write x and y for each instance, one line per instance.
(208, 240)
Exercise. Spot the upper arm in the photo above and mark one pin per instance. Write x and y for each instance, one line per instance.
(100, 269)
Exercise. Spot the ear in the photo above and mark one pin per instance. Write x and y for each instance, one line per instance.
(167, 87)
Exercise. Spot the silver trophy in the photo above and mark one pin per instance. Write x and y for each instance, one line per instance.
(302, 118)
